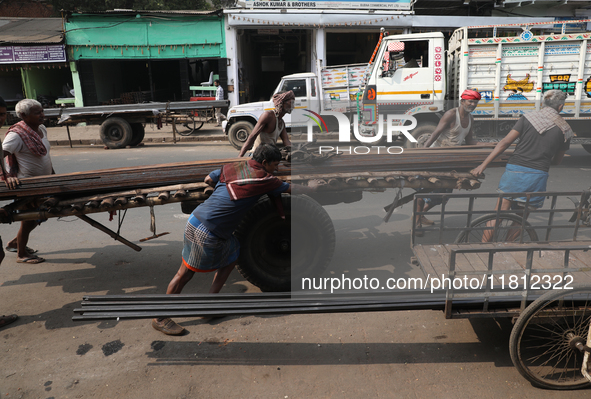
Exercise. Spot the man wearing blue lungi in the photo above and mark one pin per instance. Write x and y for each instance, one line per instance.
(544, 137)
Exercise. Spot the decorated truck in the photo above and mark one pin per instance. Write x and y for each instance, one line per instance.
(423, 75)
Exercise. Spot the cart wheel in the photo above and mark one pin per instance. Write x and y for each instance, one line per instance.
(266, 242)
(542, 344)
(116, 133)
(238, 133)
(505, 231)
(138, 133)
(190, 126)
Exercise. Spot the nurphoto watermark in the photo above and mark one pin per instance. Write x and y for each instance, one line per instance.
(368, 133)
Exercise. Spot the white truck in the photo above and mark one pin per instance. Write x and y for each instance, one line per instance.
(336, 91)
(510, 65)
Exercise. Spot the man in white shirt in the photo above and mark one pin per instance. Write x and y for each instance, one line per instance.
(26, 149)
(219, 96)
(11, 183)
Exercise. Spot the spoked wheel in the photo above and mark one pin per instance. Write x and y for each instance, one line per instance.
(544, 338)
(508, 229)
(190, 126)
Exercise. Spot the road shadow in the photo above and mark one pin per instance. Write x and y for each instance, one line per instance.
(492, 348)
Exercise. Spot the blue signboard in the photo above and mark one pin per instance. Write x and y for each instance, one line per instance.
(32, 54)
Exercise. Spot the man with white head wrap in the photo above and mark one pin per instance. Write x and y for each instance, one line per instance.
(270, 125)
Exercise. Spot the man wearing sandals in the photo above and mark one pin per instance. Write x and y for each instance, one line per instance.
(11, 183)
(26, 149)
(544, 137)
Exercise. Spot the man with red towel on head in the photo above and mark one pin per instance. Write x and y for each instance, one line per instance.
(271, 125)
(454, 128)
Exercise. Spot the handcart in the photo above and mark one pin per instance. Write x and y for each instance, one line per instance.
(533, 267)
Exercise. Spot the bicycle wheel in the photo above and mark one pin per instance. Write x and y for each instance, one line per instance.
(189, 126)
(507, 230)
(542, 343)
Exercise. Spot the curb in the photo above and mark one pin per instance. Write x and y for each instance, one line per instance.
(179, 138)
(161, 139)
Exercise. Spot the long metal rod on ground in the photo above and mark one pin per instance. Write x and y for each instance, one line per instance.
(213, 305)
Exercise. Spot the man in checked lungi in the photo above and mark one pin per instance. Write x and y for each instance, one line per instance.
(209, 244)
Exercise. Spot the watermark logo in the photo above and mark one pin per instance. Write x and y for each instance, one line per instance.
(394, 125)
(316, 118)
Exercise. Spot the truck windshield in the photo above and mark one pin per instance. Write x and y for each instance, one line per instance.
(297, 85)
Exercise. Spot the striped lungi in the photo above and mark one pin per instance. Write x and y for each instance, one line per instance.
(205, 252)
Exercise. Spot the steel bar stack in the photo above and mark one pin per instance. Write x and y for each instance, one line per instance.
(107, 307)
(112, 180)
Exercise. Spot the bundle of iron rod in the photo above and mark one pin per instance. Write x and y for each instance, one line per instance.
(184, 305)
(54, 206)
(78, 184)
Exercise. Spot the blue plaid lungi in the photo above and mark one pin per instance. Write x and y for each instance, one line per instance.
(205, 252)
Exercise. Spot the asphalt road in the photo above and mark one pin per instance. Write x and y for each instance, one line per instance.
(353, 355)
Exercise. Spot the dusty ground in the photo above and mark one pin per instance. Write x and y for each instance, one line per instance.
(356, 355)
(389, 355)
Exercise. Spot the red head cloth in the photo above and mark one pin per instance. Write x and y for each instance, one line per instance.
(280, 98)
(471, 95)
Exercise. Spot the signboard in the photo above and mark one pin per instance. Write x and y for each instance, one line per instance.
(330, 4)
(32, 54)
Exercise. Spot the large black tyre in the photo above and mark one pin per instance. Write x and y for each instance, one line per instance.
(266, 242)
(542, 341)
(138, 132)
(587, 148)
(422, 134)
(503, 230)
(238, 133)
(116, 133)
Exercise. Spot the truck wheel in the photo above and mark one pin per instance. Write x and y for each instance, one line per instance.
(238, 133)
(266, 242)
(137, 134)
(587, 148)
(116, 133)
(422, 134)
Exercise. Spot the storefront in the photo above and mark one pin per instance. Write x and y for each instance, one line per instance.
(33, 61)
(270, 39)
(121, 57)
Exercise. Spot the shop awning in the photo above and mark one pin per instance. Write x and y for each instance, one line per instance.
(31, 31)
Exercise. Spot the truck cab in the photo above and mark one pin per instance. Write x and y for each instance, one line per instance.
(407, 78)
